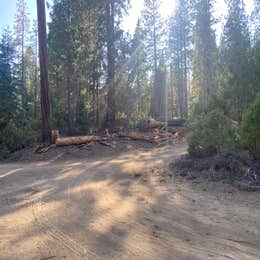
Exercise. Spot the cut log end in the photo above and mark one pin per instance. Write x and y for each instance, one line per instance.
(54, 136)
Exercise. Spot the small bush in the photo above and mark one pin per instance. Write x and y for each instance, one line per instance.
(250, 128)
(213, 134)
(14, 137)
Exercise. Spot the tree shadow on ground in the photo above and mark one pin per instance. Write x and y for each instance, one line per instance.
(120, 207)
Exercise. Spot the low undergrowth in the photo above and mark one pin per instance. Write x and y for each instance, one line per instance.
(241, 169)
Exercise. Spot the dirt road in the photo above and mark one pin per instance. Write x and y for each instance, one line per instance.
(122, 207)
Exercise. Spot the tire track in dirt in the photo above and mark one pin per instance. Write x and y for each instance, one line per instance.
(94, 218)
(130, 249)
(62, 238)
(16, 227)
(74, 246)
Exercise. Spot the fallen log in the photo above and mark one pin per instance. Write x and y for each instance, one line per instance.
(152, 123)
(77, 140)
(136, 136)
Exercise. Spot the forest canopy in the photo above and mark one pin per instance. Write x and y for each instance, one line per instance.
(100, 76)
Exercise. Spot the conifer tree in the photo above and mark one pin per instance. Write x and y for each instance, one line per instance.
(159, 103)
(113, 13)
(179, 51)
(204, 53)
(138, 68)
(234, 60)
(153, 29)
(21, 29)
(35, 76)
(45, 99)
(7, 89)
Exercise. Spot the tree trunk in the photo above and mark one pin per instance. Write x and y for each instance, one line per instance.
(23, 70)
(172, 91)
(45, 102)
(110, 24)
(154, 100)
(185, 80)
(69, 113)
(35, 91)
(35, 75)
(97, 103)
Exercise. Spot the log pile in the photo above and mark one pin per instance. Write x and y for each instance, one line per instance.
(158, 136)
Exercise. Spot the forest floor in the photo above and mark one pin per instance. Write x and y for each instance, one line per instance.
(103, 203)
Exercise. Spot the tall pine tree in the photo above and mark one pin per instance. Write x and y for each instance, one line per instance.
(234, 60)
(21, 29)
(204, 53)
(179, 49)
(153, 30)
(7, 88)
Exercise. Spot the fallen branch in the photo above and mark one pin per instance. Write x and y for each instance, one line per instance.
(44, 149)
(86, 145)
(107, 144)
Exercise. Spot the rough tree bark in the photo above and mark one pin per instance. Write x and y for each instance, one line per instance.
(45, 102)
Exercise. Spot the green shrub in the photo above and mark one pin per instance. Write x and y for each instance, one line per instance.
(213, 134)
(14, 137)
(250, 128)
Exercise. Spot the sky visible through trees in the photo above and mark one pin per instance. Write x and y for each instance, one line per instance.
(168, 6)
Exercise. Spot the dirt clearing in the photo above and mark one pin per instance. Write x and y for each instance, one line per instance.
(122, 206)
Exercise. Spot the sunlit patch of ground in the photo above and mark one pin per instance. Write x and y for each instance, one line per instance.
(122, 207)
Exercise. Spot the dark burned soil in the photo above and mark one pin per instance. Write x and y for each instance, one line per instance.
(123, 203)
